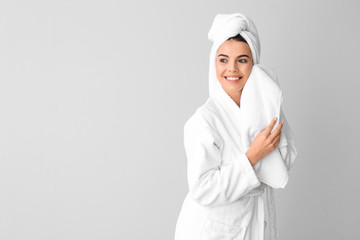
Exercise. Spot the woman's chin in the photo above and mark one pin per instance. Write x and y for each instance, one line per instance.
(233, 89)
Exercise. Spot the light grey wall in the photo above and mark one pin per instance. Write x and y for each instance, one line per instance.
(94, 96)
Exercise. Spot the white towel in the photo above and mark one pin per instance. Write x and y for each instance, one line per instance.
(260, 101)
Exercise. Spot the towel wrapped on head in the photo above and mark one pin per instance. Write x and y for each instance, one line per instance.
(229, 25)
(260, 101)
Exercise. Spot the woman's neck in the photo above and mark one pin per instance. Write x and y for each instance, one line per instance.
(236, 97)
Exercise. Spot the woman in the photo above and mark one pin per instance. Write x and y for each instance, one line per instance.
(229, 197)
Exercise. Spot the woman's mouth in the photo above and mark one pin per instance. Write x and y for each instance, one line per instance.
(233, 79)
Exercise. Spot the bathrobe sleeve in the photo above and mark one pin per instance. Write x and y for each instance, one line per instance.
(210, 181)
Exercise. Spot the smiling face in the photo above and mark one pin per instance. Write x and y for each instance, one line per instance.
(233, 66)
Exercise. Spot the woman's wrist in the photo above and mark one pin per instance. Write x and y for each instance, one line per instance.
(251, 158)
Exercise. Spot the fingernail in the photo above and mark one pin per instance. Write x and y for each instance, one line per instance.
(275, 119)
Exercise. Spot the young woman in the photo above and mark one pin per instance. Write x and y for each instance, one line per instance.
(226, 199)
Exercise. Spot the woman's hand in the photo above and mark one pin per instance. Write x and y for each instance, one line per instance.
(264, 143)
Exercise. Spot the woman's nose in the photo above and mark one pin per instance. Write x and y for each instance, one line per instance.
(233, 67)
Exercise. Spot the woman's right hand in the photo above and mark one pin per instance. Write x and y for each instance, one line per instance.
(264, 143)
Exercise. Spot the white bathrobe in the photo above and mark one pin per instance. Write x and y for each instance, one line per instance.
(226, 199)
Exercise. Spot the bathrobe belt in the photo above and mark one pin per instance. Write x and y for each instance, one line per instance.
(259, 193)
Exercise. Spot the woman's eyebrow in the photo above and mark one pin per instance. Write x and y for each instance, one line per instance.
(244, 55)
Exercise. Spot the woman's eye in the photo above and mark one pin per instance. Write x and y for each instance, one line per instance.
(243, 60)
(223, 60)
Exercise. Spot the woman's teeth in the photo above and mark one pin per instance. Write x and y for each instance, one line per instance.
(232, 78)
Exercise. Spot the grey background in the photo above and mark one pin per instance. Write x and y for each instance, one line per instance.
(94, 96)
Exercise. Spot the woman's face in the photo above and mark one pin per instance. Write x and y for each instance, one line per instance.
(233, 65)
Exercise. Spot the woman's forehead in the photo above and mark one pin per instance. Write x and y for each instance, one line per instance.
(234, 47)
